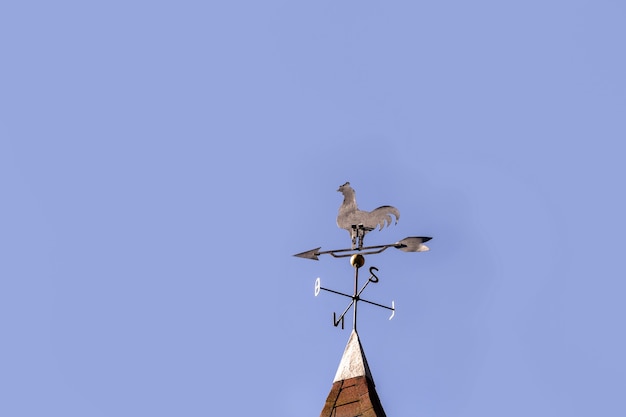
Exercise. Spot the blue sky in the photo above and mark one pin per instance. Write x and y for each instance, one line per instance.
(161, 162)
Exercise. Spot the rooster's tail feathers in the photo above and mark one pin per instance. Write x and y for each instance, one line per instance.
(381, 216)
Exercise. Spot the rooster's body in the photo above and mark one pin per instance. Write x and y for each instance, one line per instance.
(358, 222)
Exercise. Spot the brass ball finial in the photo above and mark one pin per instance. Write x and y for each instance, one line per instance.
(357, 260)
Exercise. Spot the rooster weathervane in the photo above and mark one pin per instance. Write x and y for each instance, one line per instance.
(358, 223)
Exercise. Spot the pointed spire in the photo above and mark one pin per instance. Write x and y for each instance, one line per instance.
(353, 392)
(353, 362)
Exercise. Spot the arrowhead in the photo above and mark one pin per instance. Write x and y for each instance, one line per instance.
(310, 254)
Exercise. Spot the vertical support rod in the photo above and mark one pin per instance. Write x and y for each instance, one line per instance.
(356, 261)
(355, 297)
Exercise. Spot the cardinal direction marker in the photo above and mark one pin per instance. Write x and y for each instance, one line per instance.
(357, 262)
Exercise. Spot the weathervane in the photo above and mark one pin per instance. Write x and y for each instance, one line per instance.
(358, 223)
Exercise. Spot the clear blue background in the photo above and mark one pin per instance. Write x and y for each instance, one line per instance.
(161, 162)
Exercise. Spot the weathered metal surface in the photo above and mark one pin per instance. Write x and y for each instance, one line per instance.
(358, 222)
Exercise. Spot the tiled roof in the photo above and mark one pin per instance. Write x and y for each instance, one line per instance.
(353, 393)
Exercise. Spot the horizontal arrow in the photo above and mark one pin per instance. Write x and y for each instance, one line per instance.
(408, 244)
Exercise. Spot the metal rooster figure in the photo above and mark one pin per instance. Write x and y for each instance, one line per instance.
(358, 223)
